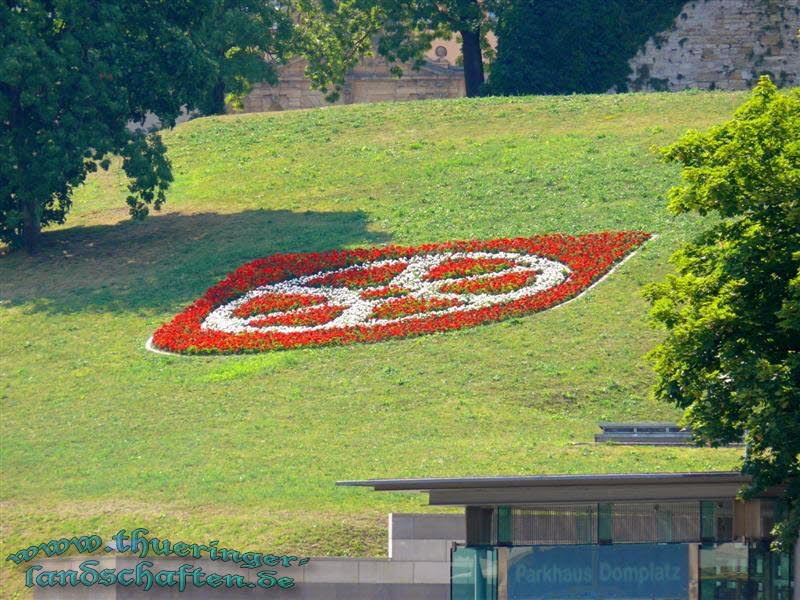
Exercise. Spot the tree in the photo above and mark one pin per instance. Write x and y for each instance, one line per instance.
(251, 39)
(731, 357)
(427, 19)
(73, 73)
(332, 36)
(403, 31)
(581, 46)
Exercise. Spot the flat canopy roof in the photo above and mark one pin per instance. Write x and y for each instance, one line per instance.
(533, 489)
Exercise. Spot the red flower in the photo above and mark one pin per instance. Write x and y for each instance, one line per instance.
(402, 307)
(310, 316)
(392, 291)
(360, 278)
(497, 284)
(271, 303)
(463, 267)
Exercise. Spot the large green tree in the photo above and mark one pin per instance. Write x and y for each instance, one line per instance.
(74, 73)
(410, 25)
(731, 357)
(401, 32)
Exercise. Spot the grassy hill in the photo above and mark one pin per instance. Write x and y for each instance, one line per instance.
(99, 434)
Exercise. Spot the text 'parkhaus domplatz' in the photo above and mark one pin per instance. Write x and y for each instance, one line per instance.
(632, 536)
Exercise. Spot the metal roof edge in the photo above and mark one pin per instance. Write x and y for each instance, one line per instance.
(437, 483)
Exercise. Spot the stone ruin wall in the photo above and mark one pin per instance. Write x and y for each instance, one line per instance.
(722, 44)
(713, 44)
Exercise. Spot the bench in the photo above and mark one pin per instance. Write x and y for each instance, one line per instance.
(647, 433)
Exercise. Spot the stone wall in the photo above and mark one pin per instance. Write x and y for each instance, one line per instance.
(722, 44)
(369, 81)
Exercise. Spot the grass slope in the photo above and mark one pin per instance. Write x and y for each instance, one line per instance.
(99, 434)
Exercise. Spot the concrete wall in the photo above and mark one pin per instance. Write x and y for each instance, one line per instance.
(418, 568)
(427, 538)
(722, 44)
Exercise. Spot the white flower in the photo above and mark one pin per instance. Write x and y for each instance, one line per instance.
(412, 278)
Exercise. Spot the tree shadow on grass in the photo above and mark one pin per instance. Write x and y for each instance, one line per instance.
(166, 261)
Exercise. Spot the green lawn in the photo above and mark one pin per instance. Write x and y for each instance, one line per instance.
(99, 434)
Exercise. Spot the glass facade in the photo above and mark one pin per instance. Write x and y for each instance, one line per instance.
(632, 551)
(607, 571)
(742, 572)
(473, 573)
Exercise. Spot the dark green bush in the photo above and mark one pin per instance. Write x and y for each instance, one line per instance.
(572, 46)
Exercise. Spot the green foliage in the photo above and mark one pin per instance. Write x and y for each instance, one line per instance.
(74, 72)
(467, 18)
(248, 39)
(577, 46)
(408, 27)
(334, 34)
(732, 355)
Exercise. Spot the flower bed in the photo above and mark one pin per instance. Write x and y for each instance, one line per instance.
(273, 303)
(498, 284)
(391, 291)
(463, 267)
(359, 277)
(316, 315)
(403, 307)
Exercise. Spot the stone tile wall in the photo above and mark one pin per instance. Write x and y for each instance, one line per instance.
(722, 44)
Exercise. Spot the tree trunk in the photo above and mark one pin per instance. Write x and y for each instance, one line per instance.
(473, 62)
(217, 101)
(31, 226)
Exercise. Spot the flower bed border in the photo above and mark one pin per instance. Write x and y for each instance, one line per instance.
(591, 258)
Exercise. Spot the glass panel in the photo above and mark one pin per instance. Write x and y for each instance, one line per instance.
(770, 573)
(707, 529)
(604, 523)
(665, 524)
(781, 576)
(599, 572)
(473, 573)
(716, 521)
(724, 573)
(504, 527)
(724, 521)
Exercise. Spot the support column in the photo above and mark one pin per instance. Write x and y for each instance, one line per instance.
(502, 573)
(694, 572)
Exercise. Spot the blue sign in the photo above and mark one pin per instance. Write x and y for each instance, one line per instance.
(655, 571)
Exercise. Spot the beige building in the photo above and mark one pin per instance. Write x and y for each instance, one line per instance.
(370, 81)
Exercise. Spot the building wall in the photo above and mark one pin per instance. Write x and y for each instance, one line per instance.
(722, 44)
(452, 48)
(418, 567)
(370, 81)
